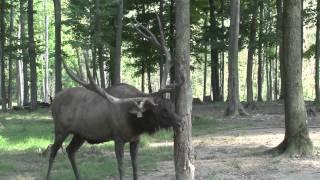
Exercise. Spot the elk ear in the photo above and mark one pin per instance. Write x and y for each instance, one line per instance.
(140, 108)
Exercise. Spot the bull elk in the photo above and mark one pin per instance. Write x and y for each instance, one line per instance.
(120, 113)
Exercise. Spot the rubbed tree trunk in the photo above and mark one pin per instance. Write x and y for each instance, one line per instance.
(296, 140)
(214, 54)
(234, 107)
(32, 56)
(251, 50)
(46, 56)
(183, 150)
(117, 58)
(24, 51)
(10, 55)
(58, 58)
(2, 39)
(317, 88)
(260, 58)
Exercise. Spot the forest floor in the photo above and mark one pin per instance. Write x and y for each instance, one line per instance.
(225, 148)
(232, 153)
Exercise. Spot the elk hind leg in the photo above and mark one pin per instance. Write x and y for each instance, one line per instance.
(54, 149)
(72, 148)
(134, 147)
(119, 147)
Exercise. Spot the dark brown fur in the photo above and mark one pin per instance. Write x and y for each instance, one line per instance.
(91, 118)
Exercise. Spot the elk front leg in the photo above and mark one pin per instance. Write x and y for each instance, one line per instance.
(119, 146)
(134, 147)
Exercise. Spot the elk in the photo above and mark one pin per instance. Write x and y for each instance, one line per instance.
(120, 113)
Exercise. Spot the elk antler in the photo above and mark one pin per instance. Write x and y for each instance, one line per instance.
(139, 101)
(148, 35)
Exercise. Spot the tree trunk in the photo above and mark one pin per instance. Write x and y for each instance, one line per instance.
(214, 54)
(80, 65)
(260, 60)
(234, 107)
(205, 72)
(267, 77)
(46, 56)
(117, 58)
(58, 58)
(24, 51)
(172, 42)
(317, 88)
(161, 61)
(99, 45)
(222, 53)
(32, 56)
(276, 91)
(2, 39)
(149, 77)
(280, 43)
(251, 50)
(19, 79)
(142, 76)
(205, 64)
(183, 150)
(296, 140)
(10, 56)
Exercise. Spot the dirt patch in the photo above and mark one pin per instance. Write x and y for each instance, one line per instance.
(232, 154)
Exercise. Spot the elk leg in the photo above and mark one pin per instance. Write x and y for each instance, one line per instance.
(54, 149)
(134, 147)
(119, 146)
(74, 145)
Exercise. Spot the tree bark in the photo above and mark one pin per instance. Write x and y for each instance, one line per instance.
(317, 56)
(205, 72)
(161, 61)
(183, 150)
(260, 60)
(251, 50)
(214, 54)
(2, 39)
(99, 45)
(58, 58)
(46, 56)
(234, 107)
(149, 76)
(296, 140)
(32, 56)
(117, 58)
(280, 43)
(222, 53)
(10, 56)
(24, 51)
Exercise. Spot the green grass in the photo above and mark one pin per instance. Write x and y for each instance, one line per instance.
(25, 135)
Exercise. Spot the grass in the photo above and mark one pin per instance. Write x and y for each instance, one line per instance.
(25, 135)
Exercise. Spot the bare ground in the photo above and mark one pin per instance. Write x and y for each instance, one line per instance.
(234, 154)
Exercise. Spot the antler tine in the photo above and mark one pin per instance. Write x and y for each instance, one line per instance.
(95, 88)
(149, 36)
(72, 75)
(167, 54)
